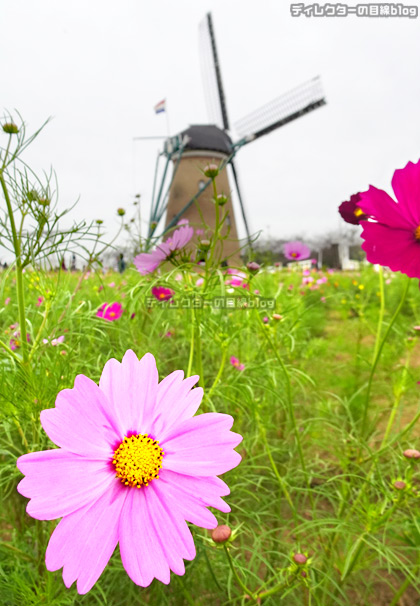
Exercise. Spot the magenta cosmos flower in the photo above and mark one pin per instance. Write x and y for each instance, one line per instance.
(392, 234)
(350, 211)
(110, 312)
(162, 294)
(148, 262)
(296, 251)
(133, 465)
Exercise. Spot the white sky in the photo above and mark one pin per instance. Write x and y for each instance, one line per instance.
(99, 67)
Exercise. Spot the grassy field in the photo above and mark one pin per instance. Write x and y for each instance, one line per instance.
(327, 402)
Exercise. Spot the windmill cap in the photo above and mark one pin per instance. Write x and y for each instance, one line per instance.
(206, 137)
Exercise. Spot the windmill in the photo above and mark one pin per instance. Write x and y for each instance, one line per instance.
(188, 195)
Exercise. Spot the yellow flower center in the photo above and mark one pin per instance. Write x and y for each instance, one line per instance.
(358, 211)
(417, 233)
(162, 295)
(294, 254)
(112, 314)
(137, 460)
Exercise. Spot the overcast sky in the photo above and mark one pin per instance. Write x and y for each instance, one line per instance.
(99, 67)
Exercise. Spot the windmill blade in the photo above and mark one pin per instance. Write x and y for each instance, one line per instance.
(241, 201)
(289, 106)
(212, 77)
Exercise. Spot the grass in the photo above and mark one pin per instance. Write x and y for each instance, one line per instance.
(313, 480)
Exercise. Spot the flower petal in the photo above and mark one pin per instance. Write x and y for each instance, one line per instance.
(84, 541)
(131, 389)
(140, 548)
(190, 506)
(406, 186)
(174, 535)
(207, 490)
(378, 204)
(393, 248)
(81, 421)
(176, 401)
(59, 482)
(202, 445)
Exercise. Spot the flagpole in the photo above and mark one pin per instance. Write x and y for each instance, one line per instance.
(167, 119)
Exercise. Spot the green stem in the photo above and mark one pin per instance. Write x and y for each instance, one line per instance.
(40, 330)
(198, 355)
(377, 355)
(276, 472)
(219, 374)
(237, 577)
(214, 239)
(381, 312)
(6, 152)
(289, 405)
(9, 351)
(396, 403)
(403, 588)
(273, 590)
(19, 277)
(191, 358)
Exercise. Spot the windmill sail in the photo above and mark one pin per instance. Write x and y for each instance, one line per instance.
(215, 94)
(208, 72)
(282, 110)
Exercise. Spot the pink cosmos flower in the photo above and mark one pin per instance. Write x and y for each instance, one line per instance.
(235, 362)
(15, 341)
(54, 342)
(183, 222)
(296, 251)
(199, 282)
(39, 302)
(162, 294)
(148, 262)
(110, 312)
(392, 234)
(111, 285)
(7, 301)
(237, 279)
(133, 465)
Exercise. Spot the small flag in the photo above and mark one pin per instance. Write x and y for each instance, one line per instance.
(160, 107)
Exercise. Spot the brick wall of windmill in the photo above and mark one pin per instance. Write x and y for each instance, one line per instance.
(186, 184)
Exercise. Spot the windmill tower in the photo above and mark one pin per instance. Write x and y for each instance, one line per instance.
(189, 195)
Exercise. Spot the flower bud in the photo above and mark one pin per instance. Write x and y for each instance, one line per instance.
(277, 317)
(10, 128)
(99, 221)
(253, 266)
(211, 171)
(399, 485)
(221, 534)
(299, 558)
(32, 195)
(120, 212)
(205, 244)
(221, 199)
(44, 201)
(411, 453)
